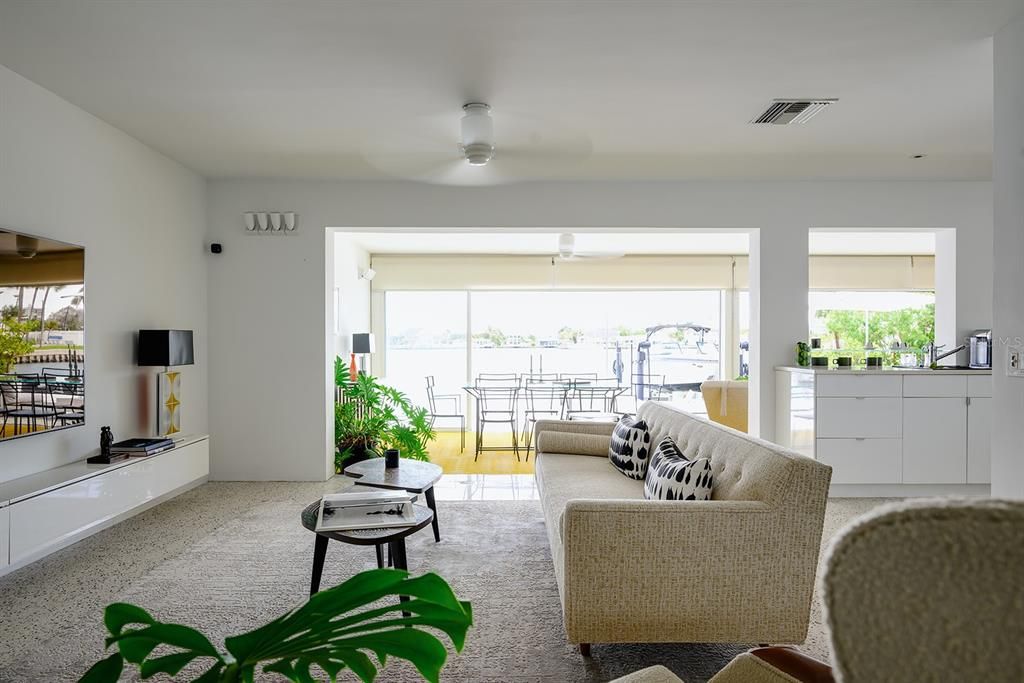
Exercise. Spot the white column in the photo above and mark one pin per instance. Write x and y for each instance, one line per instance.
(946, 333)
(1008, 247)
(778, 314)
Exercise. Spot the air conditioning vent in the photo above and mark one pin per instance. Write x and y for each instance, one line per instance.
(785, 112)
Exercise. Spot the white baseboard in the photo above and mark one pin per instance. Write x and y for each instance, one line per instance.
(907, 490)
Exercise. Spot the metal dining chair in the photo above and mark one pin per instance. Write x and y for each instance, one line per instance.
(27, 403)
(544, 401)
(68, 400)
(535, 377)
(493, 378)
(434, 400)
(593, 398)
(497, 403)
(572, 376)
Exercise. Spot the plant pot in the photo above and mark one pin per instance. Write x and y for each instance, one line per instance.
(359, 451)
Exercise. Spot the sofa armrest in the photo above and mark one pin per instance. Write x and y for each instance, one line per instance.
(694, 571)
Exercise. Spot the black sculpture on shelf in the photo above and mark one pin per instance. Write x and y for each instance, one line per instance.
(106, 441)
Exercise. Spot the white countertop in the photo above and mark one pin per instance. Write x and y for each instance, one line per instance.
(19, 489)
(862, 370)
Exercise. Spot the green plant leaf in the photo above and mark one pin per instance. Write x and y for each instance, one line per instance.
(134, 649)
(423, 650)
(119, 614)
(106, 670)
(167, 664)
(173, 634)
(335, 629)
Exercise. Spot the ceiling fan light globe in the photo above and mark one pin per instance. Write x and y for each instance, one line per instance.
(478, 153)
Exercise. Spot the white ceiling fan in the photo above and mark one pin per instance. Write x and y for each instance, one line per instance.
(435, 150)
(567, 251)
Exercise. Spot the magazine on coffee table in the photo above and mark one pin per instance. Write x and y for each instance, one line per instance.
(365, 510)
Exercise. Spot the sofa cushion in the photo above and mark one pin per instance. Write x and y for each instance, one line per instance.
(671, 476)
(630, 448)
(743, 467)
(562, 477)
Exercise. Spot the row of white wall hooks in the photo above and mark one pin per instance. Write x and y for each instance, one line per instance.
(271, 221)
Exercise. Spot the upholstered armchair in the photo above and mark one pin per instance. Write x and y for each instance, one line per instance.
(726, 402)
(927, 590)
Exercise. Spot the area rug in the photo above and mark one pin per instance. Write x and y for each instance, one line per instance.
(495, 554)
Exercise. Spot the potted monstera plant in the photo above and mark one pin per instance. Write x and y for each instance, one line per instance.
(372, 417)
(318, 640)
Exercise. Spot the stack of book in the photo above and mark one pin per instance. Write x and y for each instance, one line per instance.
(365, 510)
(142, 447)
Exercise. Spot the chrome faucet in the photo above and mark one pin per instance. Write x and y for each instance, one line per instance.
(932, 352)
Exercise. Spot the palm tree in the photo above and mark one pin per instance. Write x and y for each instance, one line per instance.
(42, 312)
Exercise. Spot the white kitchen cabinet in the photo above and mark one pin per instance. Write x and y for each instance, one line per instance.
(890, 432)
(862, 461)
(935, 440)
(871, 418)
(979, 440)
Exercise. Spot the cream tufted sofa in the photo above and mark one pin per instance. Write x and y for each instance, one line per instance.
(738, 568)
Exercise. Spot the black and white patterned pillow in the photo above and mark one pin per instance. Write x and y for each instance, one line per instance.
(630, 447)
(672, 477)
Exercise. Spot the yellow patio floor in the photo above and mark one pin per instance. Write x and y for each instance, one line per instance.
(444, 451)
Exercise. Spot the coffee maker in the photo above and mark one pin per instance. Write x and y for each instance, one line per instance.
(981, 349)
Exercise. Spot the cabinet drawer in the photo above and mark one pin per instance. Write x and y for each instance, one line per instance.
(934, 385)
(979, 386)
(866, 418)
(861, 461)
(850, 385)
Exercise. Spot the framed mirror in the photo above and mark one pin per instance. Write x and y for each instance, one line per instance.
(42, 335)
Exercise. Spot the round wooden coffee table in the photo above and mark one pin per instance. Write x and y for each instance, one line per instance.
(414, 476)
(393, 537)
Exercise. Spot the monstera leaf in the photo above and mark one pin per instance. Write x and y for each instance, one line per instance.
(317, 640)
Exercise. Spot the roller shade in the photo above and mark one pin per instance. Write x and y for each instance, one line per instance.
(460, 272)
(537, 272)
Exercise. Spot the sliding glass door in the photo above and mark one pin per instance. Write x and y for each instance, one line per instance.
(426, 335)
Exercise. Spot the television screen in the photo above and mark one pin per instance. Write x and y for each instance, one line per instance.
(42, 335)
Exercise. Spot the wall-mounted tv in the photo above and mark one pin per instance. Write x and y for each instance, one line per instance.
(42, 335)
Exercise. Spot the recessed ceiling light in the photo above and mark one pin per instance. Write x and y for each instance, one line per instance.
(918, 156)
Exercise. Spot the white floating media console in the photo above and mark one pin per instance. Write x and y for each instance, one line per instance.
(47, 511)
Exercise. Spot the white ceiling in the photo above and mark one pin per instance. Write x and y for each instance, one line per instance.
(633, 242)
(294, 88)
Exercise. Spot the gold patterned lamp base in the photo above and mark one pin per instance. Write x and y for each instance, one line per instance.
(168, 403)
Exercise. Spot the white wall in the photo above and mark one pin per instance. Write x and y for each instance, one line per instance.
(353, 314)
(141, 217)
(1008, 325)
(261, 437)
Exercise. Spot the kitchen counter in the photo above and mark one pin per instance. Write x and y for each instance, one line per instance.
(862, 370)
(890, 431)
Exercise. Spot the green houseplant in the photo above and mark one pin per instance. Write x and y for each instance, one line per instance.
(372, 417)
(14, 342)
(324, 636)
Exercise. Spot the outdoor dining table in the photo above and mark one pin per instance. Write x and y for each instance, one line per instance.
(609, 393)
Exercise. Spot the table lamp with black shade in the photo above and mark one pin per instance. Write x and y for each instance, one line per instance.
(167, 349)
(362, 346)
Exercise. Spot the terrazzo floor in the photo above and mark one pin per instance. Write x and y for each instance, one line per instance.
(230, 555)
